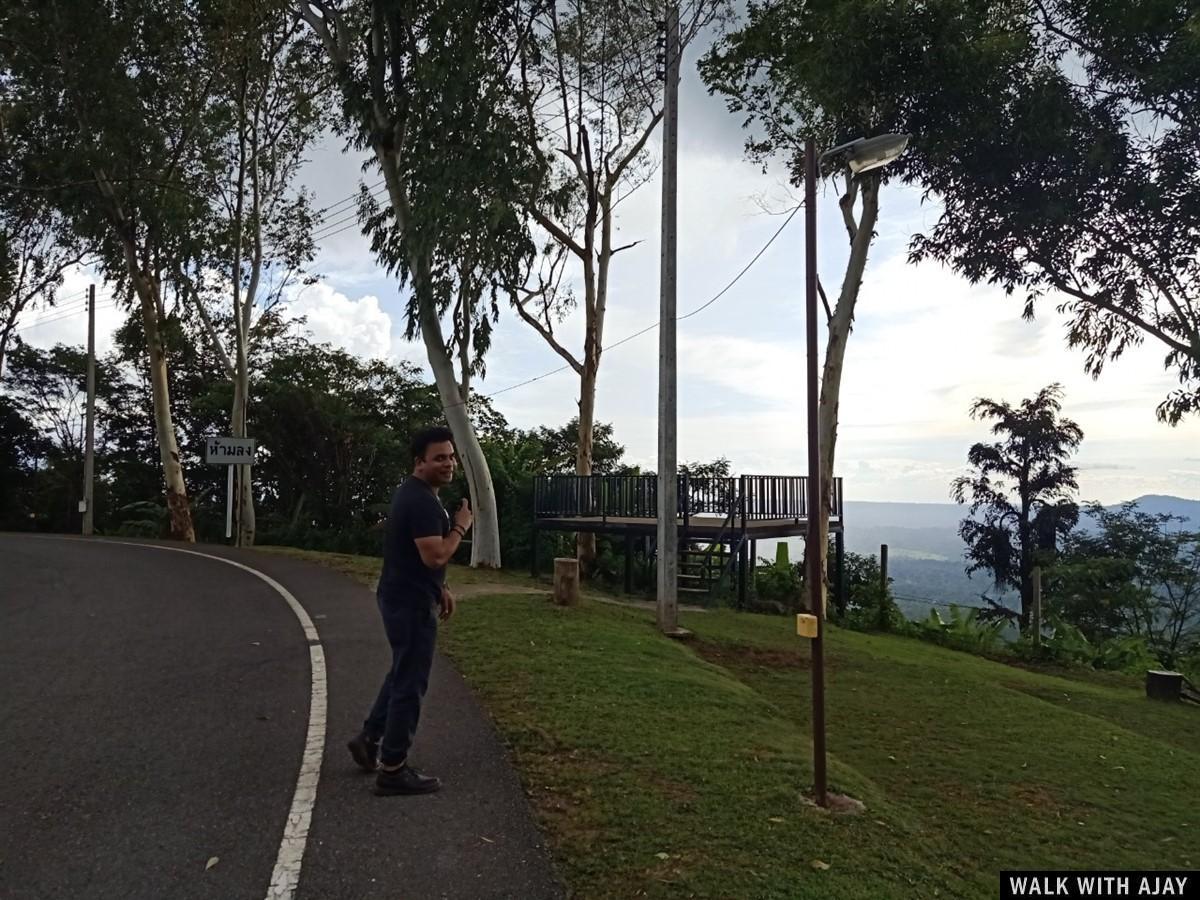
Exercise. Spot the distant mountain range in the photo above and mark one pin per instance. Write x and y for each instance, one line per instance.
(925, 553)
(930, 530)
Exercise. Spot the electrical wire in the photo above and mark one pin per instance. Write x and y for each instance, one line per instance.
(650, 328)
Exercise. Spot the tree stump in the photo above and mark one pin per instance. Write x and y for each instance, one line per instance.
(566, 581)
(1164, 685)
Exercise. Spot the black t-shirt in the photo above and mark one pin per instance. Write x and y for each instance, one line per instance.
(416, 513)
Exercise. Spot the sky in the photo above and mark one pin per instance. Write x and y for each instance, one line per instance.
(925, 343)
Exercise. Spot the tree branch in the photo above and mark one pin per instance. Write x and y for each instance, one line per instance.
(557, 232)
(549, 338)
(634, 150)
(1107, 305)
(825, 301)
(847, 207)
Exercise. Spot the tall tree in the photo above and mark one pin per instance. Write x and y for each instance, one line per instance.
(50, 388)
(262, 233)
(430, 89)
(1060, 137)
(1081, 183)
(1021, 495)
(20, 447)
(36, 246)
(116, 112)
(594, 98)
(838, 70)
(1131, 573)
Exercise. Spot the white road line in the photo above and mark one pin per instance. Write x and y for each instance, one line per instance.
(286, 876)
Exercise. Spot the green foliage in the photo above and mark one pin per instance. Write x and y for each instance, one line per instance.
(779, 583)
(115, 120)
(1067, 645)
(1021, 495)
(964, 630)
(430, 90)
(1059, 136)
(1137, 575)
(515, 457)
(869, 605)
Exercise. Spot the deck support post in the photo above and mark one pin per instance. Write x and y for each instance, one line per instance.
(628, 561)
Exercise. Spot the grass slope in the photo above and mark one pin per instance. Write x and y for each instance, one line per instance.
(666, 769)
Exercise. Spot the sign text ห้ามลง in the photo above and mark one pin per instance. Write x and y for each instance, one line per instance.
(229, 451)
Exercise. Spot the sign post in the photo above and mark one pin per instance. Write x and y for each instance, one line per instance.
(229, 452)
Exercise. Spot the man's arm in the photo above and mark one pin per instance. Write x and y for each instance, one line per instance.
(436, 551)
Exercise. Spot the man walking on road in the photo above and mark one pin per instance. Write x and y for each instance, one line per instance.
(419, 541)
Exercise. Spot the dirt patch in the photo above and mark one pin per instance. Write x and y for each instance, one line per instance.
(1036, 797)
(677, 792)
(744, 656)
(836, 804)
(493, 589)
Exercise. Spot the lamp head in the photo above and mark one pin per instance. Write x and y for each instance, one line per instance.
(865, 154)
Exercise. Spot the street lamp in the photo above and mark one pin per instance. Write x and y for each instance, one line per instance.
(861, 155)
(865, 154)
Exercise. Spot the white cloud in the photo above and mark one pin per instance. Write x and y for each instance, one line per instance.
(359, 326)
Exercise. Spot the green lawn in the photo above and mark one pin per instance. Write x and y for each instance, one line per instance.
(667, 769)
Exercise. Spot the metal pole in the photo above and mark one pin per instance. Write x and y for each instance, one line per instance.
(668, 486)
(229, 504)
(816, 600)
(89, 458)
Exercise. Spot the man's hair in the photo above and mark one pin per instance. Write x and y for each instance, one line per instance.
(426, 436)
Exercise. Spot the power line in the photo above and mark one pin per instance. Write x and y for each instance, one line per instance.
(329, 228)
(650, 328)
(325, 237)
(74, 302)
(107, 304)
(349, 199)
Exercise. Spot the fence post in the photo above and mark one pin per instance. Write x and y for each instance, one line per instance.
(687, 513)
(883, 576)
(628, 560)
(1037, 606)
(566, 581)
(840, 598)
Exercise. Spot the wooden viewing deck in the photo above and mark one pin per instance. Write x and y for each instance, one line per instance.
(729, 515)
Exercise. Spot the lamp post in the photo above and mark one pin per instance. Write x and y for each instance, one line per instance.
(861, 155)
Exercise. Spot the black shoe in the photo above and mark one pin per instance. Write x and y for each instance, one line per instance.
(405, 780)
(365, 752)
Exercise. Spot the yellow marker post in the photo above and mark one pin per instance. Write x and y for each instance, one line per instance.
(806, 625)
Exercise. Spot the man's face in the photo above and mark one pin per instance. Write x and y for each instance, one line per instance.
(438, 465)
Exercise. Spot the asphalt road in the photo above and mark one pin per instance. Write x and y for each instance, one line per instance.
(153, 713)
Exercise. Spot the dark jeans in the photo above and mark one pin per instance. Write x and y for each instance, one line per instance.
(412, 633)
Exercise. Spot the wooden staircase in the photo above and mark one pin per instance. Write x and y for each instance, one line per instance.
(701, 569)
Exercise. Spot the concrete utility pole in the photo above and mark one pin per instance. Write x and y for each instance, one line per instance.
(89, 453)
(668, 486)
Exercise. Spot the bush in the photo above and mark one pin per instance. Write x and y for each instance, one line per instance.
(1067, 645)
(778, 582)
(869, 605)
(964, 631)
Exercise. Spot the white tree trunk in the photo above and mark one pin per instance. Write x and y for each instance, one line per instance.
(244, 501)
(485, 535)
(835, 357)
(168, 447)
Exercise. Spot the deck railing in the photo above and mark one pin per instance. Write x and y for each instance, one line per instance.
(636, 497)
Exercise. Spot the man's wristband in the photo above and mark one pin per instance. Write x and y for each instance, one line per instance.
(462, 532)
